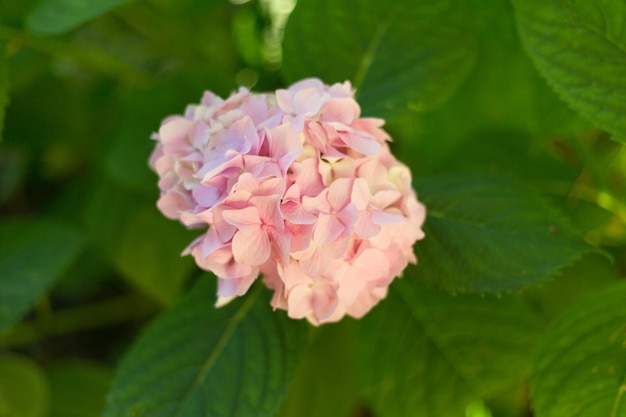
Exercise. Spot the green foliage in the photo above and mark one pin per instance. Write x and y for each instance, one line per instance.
(472, 345)
(504, 111)
(580, 47)
(392, 380)
(33, 253)
(242, 357)
(486, 233)
(24, 389)
(330, 359)
(401, 55)
(78, 388)
(52, 17)
(120, 221)
(580, 366)
(4, 85)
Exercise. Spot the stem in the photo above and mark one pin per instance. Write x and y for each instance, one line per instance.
(72, 320)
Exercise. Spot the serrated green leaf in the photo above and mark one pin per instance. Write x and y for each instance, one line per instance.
(32, 255)
(401, 55)
(402, 372)
(23, 388)
(580, 368)
(199, 361)
(580, 47)
(490, 233)
(53, 17)
(581, 278)
(487, 339)
(78, 388)
(425, 352)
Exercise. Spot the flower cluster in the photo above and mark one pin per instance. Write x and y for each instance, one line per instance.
(295, 186)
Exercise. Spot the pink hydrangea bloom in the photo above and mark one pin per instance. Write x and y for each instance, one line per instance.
(293, 186)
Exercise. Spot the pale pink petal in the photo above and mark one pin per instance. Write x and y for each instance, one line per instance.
(327, 229)
(173, 203)
(247, 220)
(340, 193)
(251, 249)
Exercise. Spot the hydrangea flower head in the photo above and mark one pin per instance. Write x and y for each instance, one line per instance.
(293, 186)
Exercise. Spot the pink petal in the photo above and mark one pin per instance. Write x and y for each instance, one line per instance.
(300, 302)
(173, 203)
(340, 193)
(366, 145)
(327, 229)
(364, 227)
(252, 249)
(246, 220)
(360, 194)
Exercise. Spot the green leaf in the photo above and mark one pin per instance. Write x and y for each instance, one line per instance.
(32, 255)
(140, 242)
(4, 84)
(401, 55)
(580, 47)
(425, 352)
(328, 359)
(581, 278)
(53, 17)
(402, 372)
(78, 388)
(12, 172)
(197, 360)
(490, 233)
(580, 368)
(23, 388)
(488, 339)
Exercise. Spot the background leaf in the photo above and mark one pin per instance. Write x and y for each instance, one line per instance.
(197, 360)
(4, 85)
(580, 369)
(580, 47)
(23, 388)
(78, 388)
(121, 221)
(53, 17)
(401, 55)
(489, 233)
(328, 359)
(32, 255)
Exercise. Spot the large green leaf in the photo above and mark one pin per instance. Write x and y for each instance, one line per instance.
(401, 55)
(52, 17)
(488, 339)
(402, 372)
(32, 255)
(328, 359)
(23, 388)
(580, 368)
(78, 388)
(490, 233)
(199, 361)
(580, 47)
(440, 351)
